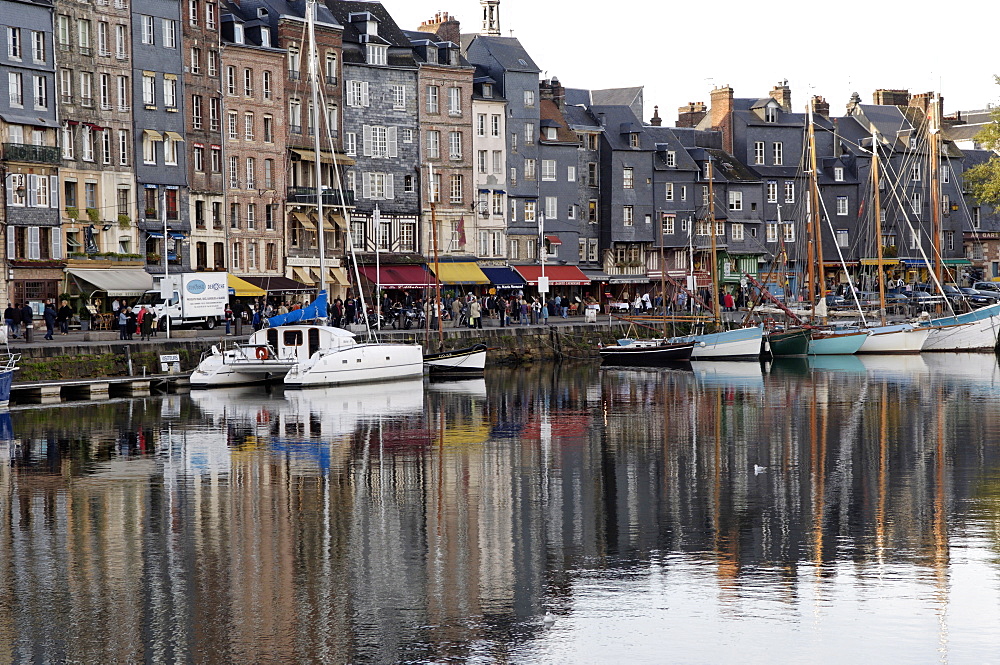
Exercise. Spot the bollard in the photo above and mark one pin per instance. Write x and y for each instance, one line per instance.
(28, 330)
(239, 326)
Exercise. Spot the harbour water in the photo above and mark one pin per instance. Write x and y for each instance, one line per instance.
(846, 510)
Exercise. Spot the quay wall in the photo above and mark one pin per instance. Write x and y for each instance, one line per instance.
(508, 345)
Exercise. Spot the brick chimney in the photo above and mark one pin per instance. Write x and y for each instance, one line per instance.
(656, 120)
(721, 115)
(885, 97)
(820, 106)
(445, 26)
(782, 94)
(691, 115)
(553, 90)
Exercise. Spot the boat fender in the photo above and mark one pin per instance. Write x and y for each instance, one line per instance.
(702, 344)
(215, 350)
(262, 353)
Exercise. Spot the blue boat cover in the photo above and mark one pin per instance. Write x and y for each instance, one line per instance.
(314, 310)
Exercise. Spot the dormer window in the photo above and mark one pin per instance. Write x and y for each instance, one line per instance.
(377, 54)
(633, 140)
(838, 173)
(770, 114)
(238, 33)
(265, 37)
(488, 90)
(371, 27)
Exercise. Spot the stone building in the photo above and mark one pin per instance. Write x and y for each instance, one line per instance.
(489, 145)
(202, 54)
(30, 158)
(254, 140)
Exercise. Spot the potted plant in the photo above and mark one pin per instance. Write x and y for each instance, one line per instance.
(153, 257)
(124, 221)
(150, 213)
(94, 214)
(84, 317)
(73, 212)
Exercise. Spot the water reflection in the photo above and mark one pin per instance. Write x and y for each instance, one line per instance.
(438, 522)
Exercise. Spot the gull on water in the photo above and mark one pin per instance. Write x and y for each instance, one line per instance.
(758, 469)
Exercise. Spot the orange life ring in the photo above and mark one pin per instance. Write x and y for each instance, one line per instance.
(262, 353)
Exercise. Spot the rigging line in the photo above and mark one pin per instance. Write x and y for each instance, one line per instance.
(850, 282)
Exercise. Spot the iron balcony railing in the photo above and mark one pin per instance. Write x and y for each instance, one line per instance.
(38, 154)
(331, 197)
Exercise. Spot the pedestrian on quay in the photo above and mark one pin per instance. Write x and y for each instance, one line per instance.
(26, 317)
(15, 318)
(131, 323)
(63, 317)
(456, 312)
(49, 314)
(229, 319)
(8, 319)
(146, 322)
(524, 310)
(122, 324)
(475, 314)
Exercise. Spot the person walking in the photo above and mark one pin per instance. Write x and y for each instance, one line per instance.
(15, 317)
(122, 324)
(146, 322)
(8, 319)
(130, 323)
(475, 314)
(456, 313)
(26, 317)
(49, 315)
(63, 317)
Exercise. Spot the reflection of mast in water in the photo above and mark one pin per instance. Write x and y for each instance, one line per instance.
(883, 426)
(940, 529)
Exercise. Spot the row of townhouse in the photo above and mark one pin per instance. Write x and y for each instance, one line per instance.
(167, 135)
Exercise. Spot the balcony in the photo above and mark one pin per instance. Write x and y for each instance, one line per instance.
(36, 154)
(331, 197)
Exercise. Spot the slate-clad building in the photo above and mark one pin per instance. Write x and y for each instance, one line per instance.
(489, 144)
(558, 174)
(30, 158)
(588, 194)
(158, 112)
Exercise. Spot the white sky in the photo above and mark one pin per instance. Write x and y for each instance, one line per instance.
(679, 51)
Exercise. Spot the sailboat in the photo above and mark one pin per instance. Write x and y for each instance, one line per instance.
(471, 360)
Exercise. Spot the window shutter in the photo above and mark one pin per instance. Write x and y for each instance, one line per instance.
(391, 140)
(390, 192)
(34, 250)
(12, 242)
(366, 185)
(53, 191)
(366, 140)
(57, 243)
(10, 188)
(364, 93)
(32, 190)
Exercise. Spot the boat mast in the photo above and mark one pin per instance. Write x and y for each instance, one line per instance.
(663, 281)
(934, 131)
(311, 11)
(434, 241)
(814, 203)
(711, 232)
(877, 211)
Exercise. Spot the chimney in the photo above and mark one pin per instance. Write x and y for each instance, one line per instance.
(820, 106)
(853, 103)
(721, 115)
(552, 90)
(445, 26)
(885, 97)
(691, 115)
(656, 120)
(782, 94)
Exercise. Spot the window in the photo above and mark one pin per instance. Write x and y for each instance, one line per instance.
(265, 83)
(357, 93)
(737, 231)
(916, 202)
(548, 169)
(455, 145)
(216, 159)
(268, 129)
(269, 173)
(62, 35)
(148, 89)
(14, 49)
(497, 162)
(248, 124)
(843, 238)
(495, 125)
(230, 80)
(777, 153)
(976, 217)
(210, 15)
(720, 228)
(529, 132)
(399, 97)
(193, 12)
(735, 200)
(633, 140)
(670, 191)
(196, 111)
(592, 215)
(949, 240)
(38, 44)
(702, 228)
(248, 82)
(169, 34)
(513, 175)
(234, 172)
(198, 158)
(456, 188)
(758, 152)
(454, 101)
(772, 232)
(838, 173)
(481, 124)
(789, 191)
(841, 205)
(121, 42)
(669, 224)
(148, 148)
(945, 177)
(83, 36)
(772, 191)
(147, 29)
(570, 174)
(592, 174)
(571, 211)
(915, 239)
(231, 126)
(123, 93)
(350, 143)
(214, 113)
(789, 231)
(671, 158)
(295, 116)
(196, 61)
(770, 114)
(170, 151)
(684, 193)
(529, 211)
(628, 215)
(513, 142)
(41, 92)
(628, 180)
(66, 85)
(331, 68)
(551, 207)
(377, 54)
(915, 172)
(432, 99)
(482, 160)
(213, 61)
(251, 217)
(169, 91)
(529, 169)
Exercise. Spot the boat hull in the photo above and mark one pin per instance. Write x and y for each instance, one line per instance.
(837, 344)
(739, 344)
(647, 355)
(972, 331)
(233, 369)
(894, 339)
(362, 363)
(460, 362)
(789, 343)
(6, 380)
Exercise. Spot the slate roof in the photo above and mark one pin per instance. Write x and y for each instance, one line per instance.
(666, 140)
(278, 8)
(579, 118)
(577, 97)
(725, 167)
(387, 30)
(551, 116)
(507, 51)
(630, 97)
(614, 118)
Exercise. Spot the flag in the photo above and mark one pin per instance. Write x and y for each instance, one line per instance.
(461, 231)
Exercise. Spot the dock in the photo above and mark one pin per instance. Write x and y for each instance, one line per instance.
(48, 392)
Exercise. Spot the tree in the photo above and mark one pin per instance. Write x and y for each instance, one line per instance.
(983, 180)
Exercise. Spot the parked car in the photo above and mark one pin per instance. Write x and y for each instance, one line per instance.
(923, 300)
(987, 286)
(978, 298)
(950, 292)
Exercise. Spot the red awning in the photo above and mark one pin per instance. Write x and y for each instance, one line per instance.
(558, 275)
(398, 277)
(553, 240)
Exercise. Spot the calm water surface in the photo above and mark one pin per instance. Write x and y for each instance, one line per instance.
(439, 523)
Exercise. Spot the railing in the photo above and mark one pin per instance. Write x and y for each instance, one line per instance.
(38, 154)
(331, 197)
(293, 75)
(295, 129)
(331, 80)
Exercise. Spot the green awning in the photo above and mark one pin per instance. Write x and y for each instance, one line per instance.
(956, 262)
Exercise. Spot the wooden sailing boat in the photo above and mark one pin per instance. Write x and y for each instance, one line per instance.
(470, 361)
